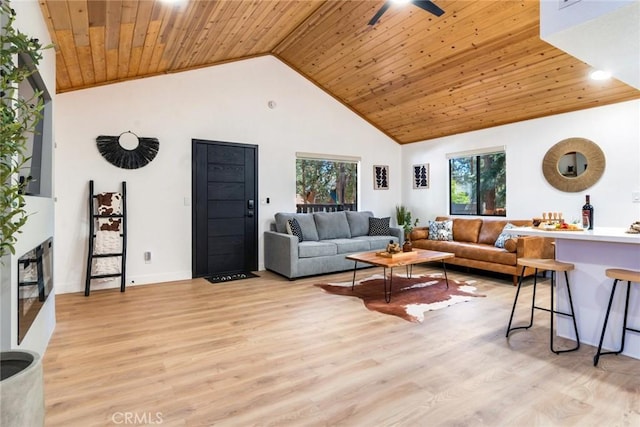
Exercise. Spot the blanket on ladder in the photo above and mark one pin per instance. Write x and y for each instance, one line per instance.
(108, 232)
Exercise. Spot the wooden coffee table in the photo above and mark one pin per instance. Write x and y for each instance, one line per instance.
(417, 256)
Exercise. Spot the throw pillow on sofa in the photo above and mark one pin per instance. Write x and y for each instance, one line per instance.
(293, 228)
(441, 230)
(511, 245)
(505, 235)
(379, 226)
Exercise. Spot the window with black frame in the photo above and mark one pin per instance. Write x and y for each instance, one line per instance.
(326, 183)
(477, 184)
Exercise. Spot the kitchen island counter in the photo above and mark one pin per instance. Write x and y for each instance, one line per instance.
(592, 252)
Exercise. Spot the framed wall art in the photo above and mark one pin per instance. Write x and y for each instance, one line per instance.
(421, 176)
(380, 177)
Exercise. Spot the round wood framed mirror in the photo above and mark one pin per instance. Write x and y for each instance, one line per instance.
(573, 164)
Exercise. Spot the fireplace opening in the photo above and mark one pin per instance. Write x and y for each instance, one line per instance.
(35, 283)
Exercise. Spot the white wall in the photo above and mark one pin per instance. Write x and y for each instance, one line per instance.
(615, 128)
(229, 103)
(224, 103)
(40, 224)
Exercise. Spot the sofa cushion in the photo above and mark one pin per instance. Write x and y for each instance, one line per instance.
(438, 245)
(487, 253)
(379, 226)
(505, 235)
(332, 225)
(441, 230)
(474, 251)
(313, 249)
(293, 228)
(380, 242)
(358, 222)
(491, 228)
(466, 230)
(490, 231)
(346, 246)
(307, 224)
(376, 242)
(281, 221)
(419, 233)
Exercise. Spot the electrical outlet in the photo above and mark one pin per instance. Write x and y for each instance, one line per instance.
(635, 196)
(147, 257)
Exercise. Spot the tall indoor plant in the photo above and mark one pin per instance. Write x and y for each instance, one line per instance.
(19, 118)
(403, 216)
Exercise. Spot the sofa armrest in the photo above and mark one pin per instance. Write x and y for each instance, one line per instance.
(534, 247)
(281, 253)
(397, 232)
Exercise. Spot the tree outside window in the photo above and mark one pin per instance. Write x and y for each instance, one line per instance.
(478, 185)
(326, 182)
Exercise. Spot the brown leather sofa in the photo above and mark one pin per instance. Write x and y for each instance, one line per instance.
(474, 245)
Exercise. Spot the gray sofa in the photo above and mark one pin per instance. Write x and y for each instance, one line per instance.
(327, 237)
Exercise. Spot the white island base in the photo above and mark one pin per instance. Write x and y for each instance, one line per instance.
(592, 252)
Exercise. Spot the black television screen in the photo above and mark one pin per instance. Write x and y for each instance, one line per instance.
(35, 283)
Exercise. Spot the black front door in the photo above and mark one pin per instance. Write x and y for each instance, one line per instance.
(225, 210)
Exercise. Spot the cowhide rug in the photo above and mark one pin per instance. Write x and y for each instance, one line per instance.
(410, 298)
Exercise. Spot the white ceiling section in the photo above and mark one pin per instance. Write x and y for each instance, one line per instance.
(604, 34)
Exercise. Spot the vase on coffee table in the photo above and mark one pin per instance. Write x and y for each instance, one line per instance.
(407, 246)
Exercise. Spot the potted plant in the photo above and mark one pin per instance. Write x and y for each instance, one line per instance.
(403, 217)
(21, 388)
(19, 118)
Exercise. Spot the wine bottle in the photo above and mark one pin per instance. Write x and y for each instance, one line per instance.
(587, 214)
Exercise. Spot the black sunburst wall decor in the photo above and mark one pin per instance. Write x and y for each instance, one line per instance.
(117, 155)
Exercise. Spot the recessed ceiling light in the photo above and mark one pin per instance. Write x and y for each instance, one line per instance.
(600, 75)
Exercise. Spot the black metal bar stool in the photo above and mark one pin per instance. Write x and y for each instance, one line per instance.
(624, 275)
(553, 266)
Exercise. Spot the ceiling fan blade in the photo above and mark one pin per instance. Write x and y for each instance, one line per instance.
(379, 13)
(429, 6)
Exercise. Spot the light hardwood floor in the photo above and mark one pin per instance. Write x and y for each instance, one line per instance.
(273, 352)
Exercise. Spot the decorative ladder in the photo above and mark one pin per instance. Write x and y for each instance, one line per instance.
(93, 218)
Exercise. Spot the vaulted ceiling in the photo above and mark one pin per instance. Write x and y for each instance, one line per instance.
(414, 76)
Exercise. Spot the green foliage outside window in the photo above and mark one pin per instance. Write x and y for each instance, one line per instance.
(326, 182)
(478, 185)
(458, 196)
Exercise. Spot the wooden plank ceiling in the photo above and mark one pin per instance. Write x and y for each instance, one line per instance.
(412, 75)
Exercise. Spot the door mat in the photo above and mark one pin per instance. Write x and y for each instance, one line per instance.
(220, 278)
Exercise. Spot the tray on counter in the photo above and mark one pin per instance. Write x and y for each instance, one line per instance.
(550, 228)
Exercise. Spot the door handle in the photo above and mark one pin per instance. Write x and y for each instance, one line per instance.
(250, 204)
